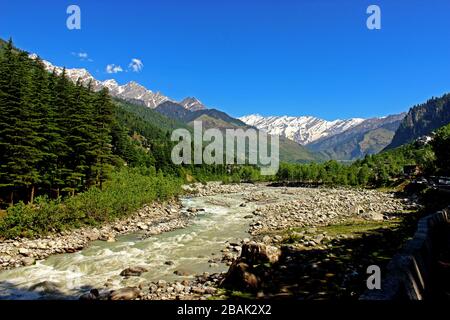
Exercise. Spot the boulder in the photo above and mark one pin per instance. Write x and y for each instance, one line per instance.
(257, 253)
(128, 293)
(182, 273)
(46, 287)
(240, 277)
(133, 272)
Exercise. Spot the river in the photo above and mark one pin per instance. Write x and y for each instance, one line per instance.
(187, 250)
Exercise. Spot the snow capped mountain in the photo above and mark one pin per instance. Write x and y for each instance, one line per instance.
(304, 130)
(192, 104)
(131, 91)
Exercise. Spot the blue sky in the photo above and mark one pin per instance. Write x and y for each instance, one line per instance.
(304, 57)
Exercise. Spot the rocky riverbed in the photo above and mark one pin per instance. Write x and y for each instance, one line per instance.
(151, 219)
(269, 215)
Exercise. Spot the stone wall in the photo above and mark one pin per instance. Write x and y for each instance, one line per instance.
(409, 272)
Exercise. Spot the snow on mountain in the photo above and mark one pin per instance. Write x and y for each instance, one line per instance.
(304, 130)
(192, 104)
(130, 91)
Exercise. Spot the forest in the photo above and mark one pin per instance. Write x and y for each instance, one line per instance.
(70, 156)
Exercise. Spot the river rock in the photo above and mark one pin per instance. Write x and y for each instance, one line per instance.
(133, 272)
(257, 253)
(128, 293)
(24, 251)
(28, 261)
(46, 287)
(375, 216)
(162, 283)
(182, 273)
(240, 277)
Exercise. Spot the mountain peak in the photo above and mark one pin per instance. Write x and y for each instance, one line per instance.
(192, 104)
(303, 129)
(132, 91)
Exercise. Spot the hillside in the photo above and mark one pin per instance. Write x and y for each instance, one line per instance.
(290, 151)
(422, 120)
(369, 137)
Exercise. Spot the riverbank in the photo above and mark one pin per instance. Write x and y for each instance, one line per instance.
(151, 219)
(281, 217)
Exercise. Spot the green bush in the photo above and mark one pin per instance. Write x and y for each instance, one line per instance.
(124, 193)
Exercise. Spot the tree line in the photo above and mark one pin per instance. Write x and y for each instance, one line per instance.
(55, 136)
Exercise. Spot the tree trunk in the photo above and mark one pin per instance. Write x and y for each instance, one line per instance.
(11, 198)
(32, 194)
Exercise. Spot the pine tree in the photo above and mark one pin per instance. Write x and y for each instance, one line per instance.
(100, 152)
(20, 141)
(49, 130)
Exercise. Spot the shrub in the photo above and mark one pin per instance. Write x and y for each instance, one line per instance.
(126, 191)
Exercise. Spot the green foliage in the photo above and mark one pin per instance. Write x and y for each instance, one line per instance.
(422, 120)
(125, 192)
(55, 136)
(374, 170)
(441, 148)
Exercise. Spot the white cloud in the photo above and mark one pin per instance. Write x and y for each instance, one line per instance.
(82, 55)
(136, 65)
(112, 68)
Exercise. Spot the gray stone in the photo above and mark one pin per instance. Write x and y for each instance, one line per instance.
(133, 271)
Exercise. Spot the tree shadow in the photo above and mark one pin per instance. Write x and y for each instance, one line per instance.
(338, 272)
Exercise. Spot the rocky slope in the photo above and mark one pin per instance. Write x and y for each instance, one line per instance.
(340, 139)
(303, 130)
(192, 104)
(421, 120)
(369, 137)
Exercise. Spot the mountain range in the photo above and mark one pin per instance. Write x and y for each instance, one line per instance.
(185, 111)
(339, 139)
(131, 92)
(303, 138)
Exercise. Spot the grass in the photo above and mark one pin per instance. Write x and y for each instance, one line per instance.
(357, 227)
(126, 191)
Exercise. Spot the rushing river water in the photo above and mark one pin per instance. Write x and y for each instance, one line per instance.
(189, 249)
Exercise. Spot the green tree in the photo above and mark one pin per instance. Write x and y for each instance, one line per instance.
(441, 147)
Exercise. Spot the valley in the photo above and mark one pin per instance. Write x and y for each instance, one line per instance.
(183, 250)
(94, 207)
